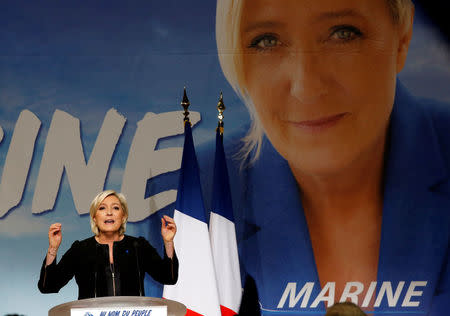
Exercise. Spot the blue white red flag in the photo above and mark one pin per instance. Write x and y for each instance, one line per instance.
(223, 236)
(196, 287)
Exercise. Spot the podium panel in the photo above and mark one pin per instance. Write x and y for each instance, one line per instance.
(173, 308)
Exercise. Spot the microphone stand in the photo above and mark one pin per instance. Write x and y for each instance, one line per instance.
(136, 249)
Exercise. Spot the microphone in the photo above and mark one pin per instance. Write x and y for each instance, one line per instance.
(136, 252)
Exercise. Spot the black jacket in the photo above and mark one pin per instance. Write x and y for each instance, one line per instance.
(88, 261)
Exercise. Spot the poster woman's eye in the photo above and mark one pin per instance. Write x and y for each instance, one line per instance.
(264, 41)
(345, 33)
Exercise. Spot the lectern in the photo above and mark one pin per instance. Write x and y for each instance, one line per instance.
(118, 305)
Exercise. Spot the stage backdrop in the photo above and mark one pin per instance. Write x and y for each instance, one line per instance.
(90, 97)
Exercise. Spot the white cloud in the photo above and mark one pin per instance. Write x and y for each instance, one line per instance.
(11, 97)
(159, 29)
(7, 126)
(115, 178)
(21, 221)
(427, 70)
(202, 135)
(428, 50)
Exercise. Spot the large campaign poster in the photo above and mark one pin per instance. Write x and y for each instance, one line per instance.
(90, 99)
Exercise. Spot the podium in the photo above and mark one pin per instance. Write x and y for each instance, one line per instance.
(173, 308)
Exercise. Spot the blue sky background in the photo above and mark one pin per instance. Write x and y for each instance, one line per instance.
(85, 57)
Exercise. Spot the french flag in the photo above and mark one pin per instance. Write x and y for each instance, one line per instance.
(223, 236)
(196, 287)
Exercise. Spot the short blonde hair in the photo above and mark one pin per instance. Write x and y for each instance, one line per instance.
(96, 203)
(228, 23)
(344, 309)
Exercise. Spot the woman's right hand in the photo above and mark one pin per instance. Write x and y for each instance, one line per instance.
(54, 236)
(54, 240)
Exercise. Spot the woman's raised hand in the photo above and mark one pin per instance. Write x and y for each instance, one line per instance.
(168, 228)
(54, 240)
(54, 236)
(168, 231)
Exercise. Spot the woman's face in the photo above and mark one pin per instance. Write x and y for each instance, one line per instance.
(321, 74)
(109, 216)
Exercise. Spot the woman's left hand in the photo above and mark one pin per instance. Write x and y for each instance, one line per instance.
(168, 228)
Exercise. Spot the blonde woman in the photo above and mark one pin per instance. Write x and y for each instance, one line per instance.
(345, 309)
(109, 263)
(344, 189)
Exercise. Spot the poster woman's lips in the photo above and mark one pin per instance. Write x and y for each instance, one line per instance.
(320, 123)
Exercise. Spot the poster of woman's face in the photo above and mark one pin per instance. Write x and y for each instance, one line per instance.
(336, 134)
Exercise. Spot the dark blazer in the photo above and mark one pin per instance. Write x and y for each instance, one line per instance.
(88, 261)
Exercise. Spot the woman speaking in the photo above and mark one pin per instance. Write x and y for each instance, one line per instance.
(109, 263)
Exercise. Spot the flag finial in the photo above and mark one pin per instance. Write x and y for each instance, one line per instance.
(221, 108)
(185, 104)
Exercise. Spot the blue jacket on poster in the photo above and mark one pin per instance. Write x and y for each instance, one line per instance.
(413, 267)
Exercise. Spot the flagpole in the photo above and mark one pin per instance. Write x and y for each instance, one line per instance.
(196, 286)
(222, 228)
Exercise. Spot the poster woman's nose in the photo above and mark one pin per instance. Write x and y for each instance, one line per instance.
(306, 77)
